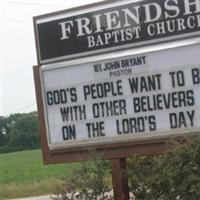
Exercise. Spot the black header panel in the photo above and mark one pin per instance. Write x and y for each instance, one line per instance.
(114, 26)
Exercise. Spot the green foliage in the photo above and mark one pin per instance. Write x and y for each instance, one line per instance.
(175, 175)
(19, 132)
(91, 180)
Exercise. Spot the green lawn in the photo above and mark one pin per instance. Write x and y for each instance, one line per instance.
(23, 174)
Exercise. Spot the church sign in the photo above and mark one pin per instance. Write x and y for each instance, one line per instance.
(120, 77)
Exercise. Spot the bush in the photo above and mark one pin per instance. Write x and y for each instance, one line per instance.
(90, 181)
(175, 175)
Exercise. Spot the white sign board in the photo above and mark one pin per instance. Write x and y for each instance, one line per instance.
(125, 98)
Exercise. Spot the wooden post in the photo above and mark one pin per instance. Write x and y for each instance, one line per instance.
(120, 180)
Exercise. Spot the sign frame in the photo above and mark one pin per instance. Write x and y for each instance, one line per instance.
(91, 7)
(154, 145)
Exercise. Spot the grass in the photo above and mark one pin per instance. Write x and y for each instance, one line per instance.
(23, 174)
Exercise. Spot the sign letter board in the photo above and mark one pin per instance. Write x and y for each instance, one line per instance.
(113, 26)
(118, 100)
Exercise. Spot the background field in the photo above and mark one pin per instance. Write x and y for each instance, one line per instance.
(23, 174)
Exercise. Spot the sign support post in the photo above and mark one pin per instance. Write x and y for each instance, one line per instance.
(119, 179)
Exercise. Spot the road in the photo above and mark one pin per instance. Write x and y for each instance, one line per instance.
(47, 197)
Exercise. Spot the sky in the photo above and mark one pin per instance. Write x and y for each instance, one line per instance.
(18, 53)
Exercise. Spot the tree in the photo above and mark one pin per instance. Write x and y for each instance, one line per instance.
(19, 132)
